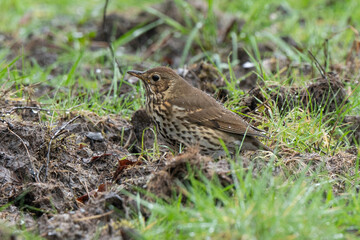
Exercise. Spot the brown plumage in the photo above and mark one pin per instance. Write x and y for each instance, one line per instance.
(184, 114)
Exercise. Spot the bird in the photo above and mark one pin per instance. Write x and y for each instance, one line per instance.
(186, 116)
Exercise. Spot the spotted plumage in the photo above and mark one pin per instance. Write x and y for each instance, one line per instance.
(185, 115)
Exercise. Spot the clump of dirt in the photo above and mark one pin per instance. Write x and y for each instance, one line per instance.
(21, 141)
(179, 168)
(138, 175)
(352, 123)
(41, 50)
(284, 98)
(106, 210)
(116, 25)
(9, 182)
(145, 137)
(259, 160)
(334, 166)
(45, 179)
(46, 197)
(327, 93)
(207, 78)
(142, 125)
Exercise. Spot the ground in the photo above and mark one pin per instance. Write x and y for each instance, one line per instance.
(79, 157)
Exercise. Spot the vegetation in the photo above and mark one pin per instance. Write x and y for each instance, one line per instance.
(54, 57)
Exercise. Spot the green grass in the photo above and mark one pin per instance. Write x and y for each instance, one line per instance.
(262, 207)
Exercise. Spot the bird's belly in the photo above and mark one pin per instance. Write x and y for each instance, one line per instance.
(178, 131)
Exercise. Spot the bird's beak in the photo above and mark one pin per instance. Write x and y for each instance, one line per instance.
(138, 74)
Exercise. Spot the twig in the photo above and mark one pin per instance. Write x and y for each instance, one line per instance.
(104, 19)
(8, 123)
(113, 56)
(155, 46)
(57, 133)
(93, 217)
(107, 37)
(69, 109)
(129, 139)
(31, 108)
(326, 53)
(318, 66)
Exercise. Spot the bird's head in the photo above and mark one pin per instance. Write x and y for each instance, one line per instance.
(159, 80)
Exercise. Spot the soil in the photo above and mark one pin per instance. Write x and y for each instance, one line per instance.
(73, 176)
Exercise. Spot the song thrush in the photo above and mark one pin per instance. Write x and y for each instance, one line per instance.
(184, 114)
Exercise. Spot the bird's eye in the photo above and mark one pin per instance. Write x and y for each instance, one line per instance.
(155, 77)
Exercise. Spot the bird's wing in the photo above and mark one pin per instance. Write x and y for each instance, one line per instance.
(223, 120)
(205, 111)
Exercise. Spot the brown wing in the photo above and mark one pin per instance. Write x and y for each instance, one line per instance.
(204, 110)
